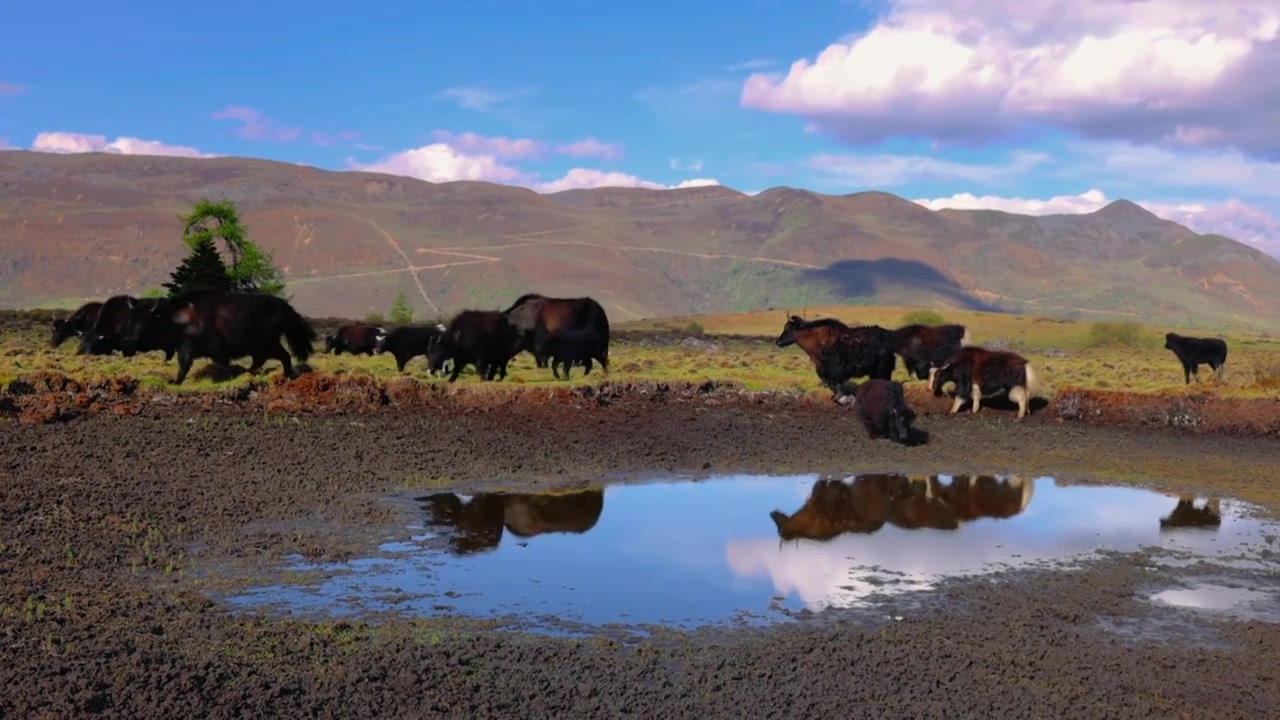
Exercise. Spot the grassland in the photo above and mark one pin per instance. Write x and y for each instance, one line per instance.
(739, 349)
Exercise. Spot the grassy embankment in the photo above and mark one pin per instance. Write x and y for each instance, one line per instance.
(1090, 355)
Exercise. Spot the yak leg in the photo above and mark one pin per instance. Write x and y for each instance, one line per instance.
(286, 361)
(184, 362)
(1018, 394)
(456, 370)
(957, 401)
(976, 393)
(586, 365)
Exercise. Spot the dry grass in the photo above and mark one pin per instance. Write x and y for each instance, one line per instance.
(1067, 354)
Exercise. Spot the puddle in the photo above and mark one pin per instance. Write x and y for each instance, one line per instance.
(1232, 600)
(752, 549)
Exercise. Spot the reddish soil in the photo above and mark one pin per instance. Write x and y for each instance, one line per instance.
(106, 517)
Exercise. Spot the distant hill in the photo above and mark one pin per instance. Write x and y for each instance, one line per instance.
(80, 226)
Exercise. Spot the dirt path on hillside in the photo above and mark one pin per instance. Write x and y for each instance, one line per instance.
(104, 517)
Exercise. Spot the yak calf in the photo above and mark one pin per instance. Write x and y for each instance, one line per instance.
(1193, 352)
(568, 347)
(883, 410)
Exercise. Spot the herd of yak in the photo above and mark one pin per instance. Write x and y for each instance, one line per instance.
(564, 332)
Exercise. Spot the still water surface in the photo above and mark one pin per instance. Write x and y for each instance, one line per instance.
(747, 548)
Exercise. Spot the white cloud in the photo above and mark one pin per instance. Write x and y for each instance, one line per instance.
(468, 156)
(753, 64)
(65, 142)
(582, 178)
(1232, 218)
(887, 170)
(440, 162)
(1180, 71)
(1145, 165)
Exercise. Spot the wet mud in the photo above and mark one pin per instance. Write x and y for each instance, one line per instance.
(115, 523)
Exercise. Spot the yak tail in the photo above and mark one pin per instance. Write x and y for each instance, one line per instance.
(1032, 382)
(299, 333)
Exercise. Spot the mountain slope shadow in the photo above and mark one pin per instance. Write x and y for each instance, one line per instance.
(853, 279)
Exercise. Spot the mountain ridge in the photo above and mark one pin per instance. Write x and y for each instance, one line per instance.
(90, 225)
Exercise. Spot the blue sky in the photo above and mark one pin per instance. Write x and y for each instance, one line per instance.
(1005, 103)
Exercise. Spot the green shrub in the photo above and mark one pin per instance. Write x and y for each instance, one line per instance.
(923, 317)
(1114, 334)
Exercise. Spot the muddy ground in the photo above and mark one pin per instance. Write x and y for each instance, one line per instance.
(109, 518)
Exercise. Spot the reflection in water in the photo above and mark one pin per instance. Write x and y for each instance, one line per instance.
(1186, 515)
(693, 553)
(477, 523)
(869, 501)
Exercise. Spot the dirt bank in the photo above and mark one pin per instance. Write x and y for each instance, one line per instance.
(107, 516)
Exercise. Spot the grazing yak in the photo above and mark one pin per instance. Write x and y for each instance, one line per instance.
(226, 326)
(110, 332)
(408, 342)
(979, 373)
(80, 322)
(482, 338)
(356, 338)
(882, 408)
(923, 347)
(840, 352)
(1193, 352)
(570, 347)
(535, 316)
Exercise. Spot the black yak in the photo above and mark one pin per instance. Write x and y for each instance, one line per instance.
(569, 347)
(923, 347)
(882, 408)
(408, 342)
(110, 332)
(482, 338)
(225, 326)
(1193, 352)
(840, 352)
(80, 322)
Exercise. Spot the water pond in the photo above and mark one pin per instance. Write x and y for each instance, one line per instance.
(748, 549)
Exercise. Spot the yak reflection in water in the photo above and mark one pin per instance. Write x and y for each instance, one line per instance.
(476, 525)
(869, 502)
(1186, 515)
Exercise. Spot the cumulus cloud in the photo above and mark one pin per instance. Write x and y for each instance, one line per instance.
(583, 178)
(1175, 71)
(66, 142)
(1233, 218)
(887, 170)
(469, 156)
(441, 162)
(256, 126)
(11, 88)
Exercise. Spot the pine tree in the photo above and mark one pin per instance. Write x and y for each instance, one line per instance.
(401, 311)
(203, 269)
